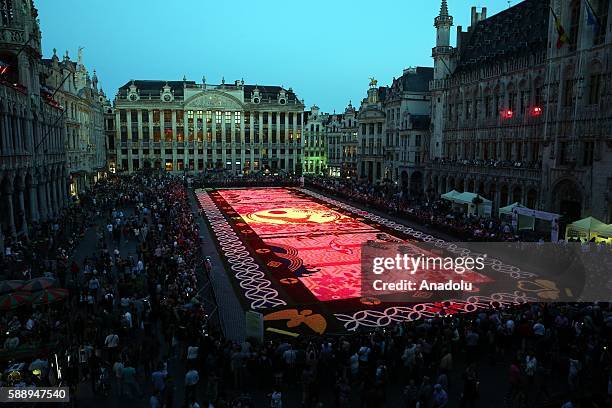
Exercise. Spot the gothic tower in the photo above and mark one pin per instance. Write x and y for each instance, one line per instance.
(20, 48)
(441, 54)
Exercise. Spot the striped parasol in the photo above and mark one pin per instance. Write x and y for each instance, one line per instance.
(50, 295)
(37, 284)
(14, 300)
(9, 286)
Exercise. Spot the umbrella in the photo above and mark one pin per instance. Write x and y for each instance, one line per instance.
(50, 295)
(37, 284)
(14, 300)
(8, 286)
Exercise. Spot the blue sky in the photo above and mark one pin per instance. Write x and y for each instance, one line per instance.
(324, 50)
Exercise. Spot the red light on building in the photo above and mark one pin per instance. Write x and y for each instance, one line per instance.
(536, 111)
(3, 68)
(507, 114)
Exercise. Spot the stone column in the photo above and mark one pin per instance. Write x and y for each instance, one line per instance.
(42, 201)
(64, 190)
(24, 220)
(57, 196)
(51, 210)
(11, 215)
(33, 203)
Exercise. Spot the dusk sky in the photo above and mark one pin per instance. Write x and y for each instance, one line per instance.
(324, 50)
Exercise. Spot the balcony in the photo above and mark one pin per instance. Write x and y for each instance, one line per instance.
(458, 168)
(441, 50)
(438, 84)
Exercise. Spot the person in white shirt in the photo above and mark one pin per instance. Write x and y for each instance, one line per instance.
(539, 329)
(192, 355)
(276, 399)
(127, 317)
(111, 341)
(191, 380)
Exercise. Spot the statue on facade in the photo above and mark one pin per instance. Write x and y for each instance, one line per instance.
(373, 82)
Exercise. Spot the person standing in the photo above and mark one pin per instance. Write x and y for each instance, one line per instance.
(192, 377)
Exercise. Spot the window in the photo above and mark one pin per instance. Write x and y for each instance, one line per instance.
(512, 101)
(568, 92)
(488, 105)
(228, 118)
(594, 88)
(574, 24)
(6, 11)
(602, 13)
(379, 128)
(587, 158)
(363, 128)
(538, 95)
(218, 117)
(237, 119)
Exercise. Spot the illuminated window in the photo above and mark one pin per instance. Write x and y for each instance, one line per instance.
(169, 165)
(228, 118)
(218, 117)
(237, 119)
(208, 117)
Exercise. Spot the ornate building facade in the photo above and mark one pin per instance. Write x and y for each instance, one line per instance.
(84, 103)
(315, 157)
(517, 118)
(407, 105)
(371, 118)
(342, 132)
(33, 176)
(183, 126)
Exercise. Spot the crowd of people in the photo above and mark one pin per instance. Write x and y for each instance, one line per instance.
(491, 163)
(438, 214)
(136, 327)
(257, 179)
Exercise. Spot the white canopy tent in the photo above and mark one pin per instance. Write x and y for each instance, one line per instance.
(542, 215)
(475, 203)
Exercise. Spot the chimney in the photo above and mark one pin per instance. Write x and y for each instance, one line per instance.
(474, 16)
(459, 32)
(483, 13)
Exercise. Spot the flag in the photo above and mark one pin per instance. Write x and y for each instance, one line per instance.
(592, 18)
(562, 37)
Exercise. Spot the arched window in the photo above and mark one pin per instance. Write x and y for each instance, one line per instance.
(595, 83)
(601, 9)
(6, 12)
(574, 23)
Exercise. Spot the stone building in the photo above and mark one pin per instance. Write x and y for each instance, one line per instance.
(33, 176)
(517, 117)
(84, 103)
(370, 149)
(407, 105)
(343, 151)
(184, 126)
(315, 160)
(341, 132)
